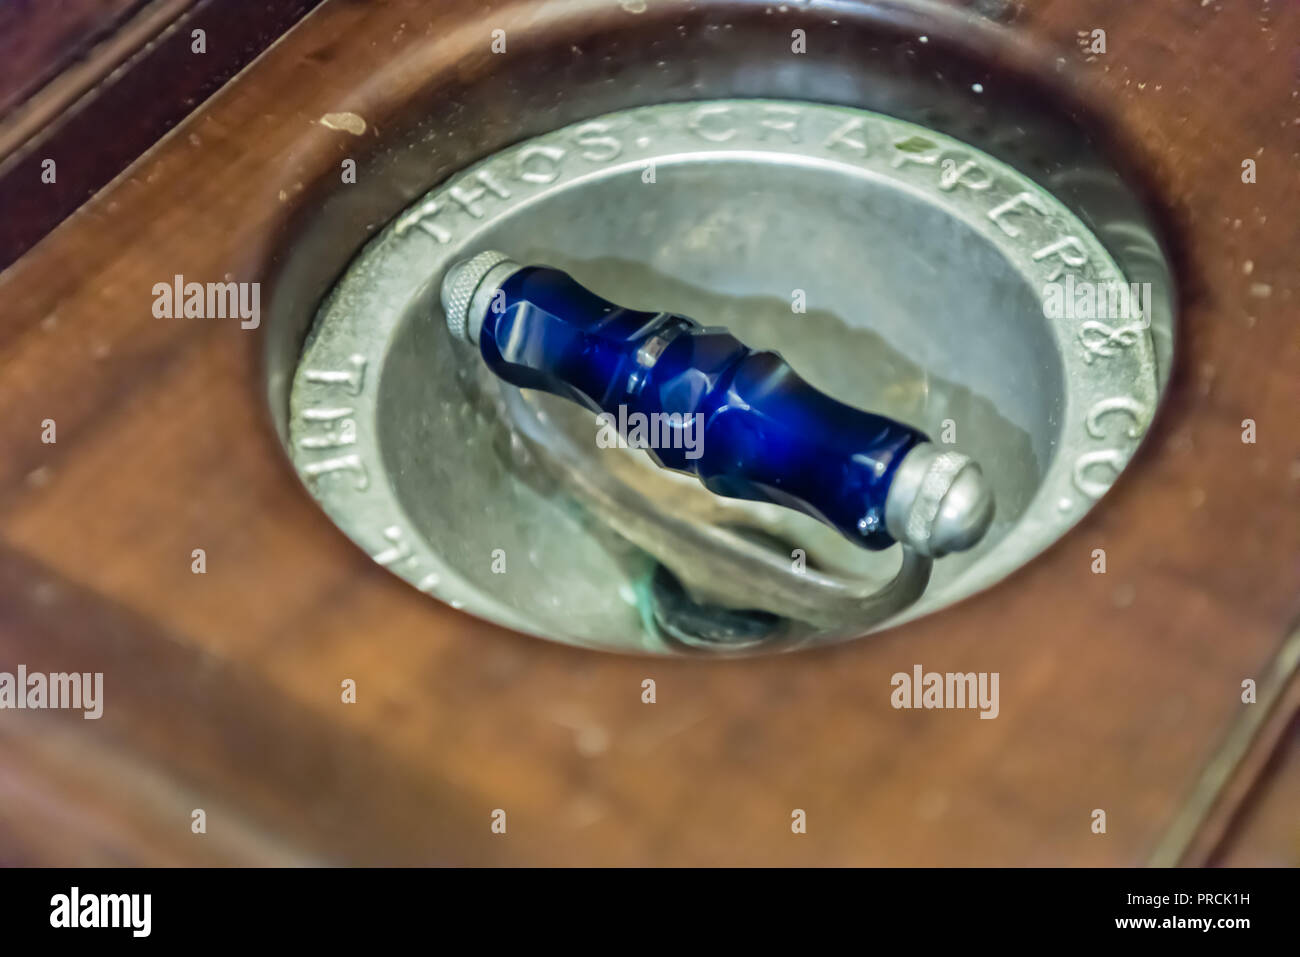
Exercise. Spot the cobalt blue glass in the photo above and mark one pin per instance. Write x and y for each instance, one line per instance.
(767, 435)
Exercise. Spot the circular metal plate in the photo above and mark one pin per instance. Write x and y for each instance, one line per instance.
(896, 268)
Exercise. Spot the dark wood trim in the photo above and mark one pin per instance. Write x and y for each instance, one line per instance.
(105, 110)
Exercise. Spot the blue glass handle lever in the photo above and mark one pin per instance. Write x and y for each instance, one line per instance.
(703, 403)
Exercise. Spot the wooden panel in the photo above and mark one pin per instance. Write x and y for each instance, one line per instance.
(222, 690)
(91, 85)
(39, 39)
(1268, 832)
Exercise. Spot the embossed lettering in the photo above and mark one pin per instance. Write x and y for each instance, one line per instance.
(1112, 459)
(468, 199)
(421, 217)
(781, 119)
(600, 146)
(343, 463)
(844, 137)
(914, 149)
(1069, 250)
(539, 163)
(398, 551)
(1116, 405)
(351, 379)
(346, 434)
(1100, 339)
(700, 122)
(967, 173)
(1020, 199)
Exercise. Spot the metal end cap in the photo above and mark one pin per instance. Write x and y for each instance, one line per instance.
(939, 502)
(459, 285)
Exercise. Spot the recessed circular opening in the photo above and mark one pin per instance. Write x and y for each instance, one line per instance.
(896, 268)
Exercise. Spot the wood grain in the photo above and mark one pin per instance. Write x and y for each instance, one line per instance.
(91, 84)
(39, 40)
(222, 690)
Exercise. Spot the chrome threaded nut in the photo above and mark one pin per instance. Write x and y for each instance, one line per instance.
(459, 285)
(939, 501)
